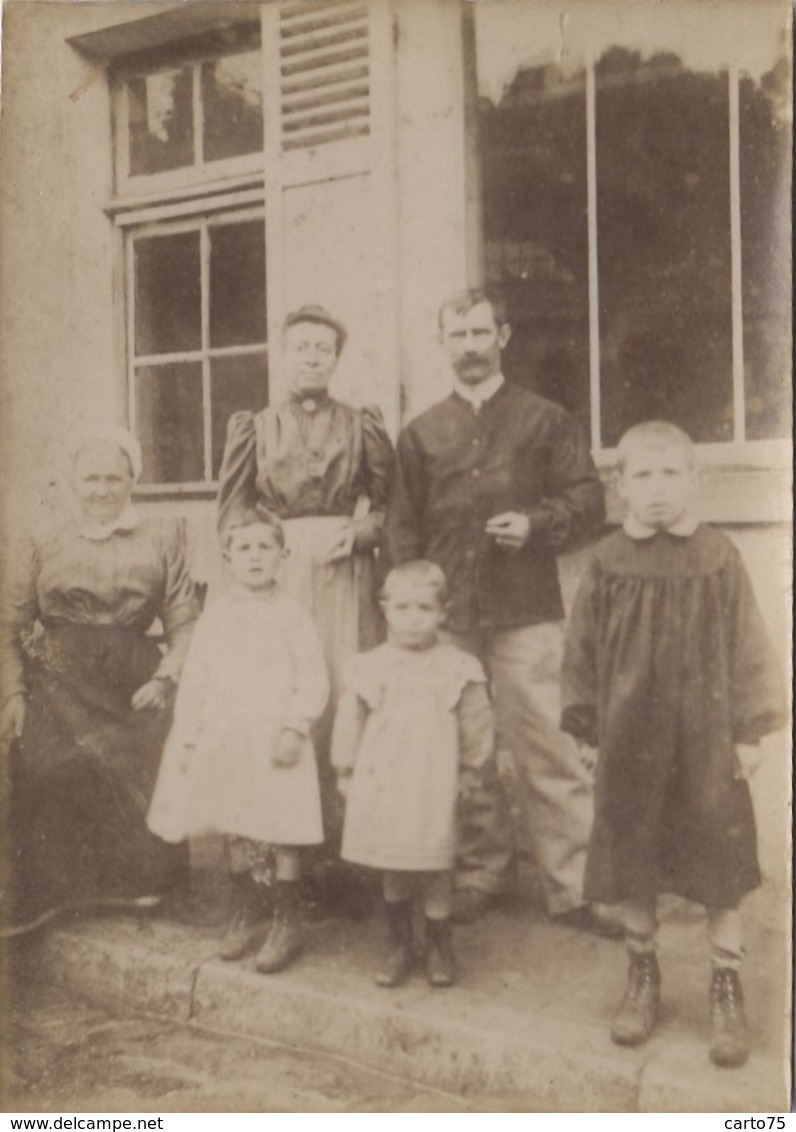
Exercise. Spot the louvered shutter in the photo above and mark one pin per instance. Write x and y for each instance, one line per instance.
(330, 181)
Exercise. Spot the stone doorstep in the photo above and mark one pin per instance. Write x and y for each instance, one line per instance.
(442, 1039)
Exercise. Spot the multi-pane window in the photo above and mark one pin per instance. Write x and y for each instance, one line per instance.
(189, 201)
(635, 213)
(197, 338)
(197, 113)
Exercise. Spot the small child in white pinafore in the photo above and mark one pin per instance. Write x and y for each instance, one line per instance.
(240, 760)
(413, 730)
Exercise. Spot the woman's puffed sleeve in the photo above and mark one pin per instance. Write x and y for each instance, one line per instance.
(237, 477)
(379, 457)
(180, 607)
(20, 610)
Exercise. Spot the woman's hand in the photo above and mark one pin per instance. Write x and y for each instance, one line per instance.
(12, 720)
(343, 545)
(288, 747)
(151, 696)
(367, 531)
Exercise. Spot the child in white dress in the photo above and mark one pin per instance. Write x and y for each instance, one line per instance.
(413, 731)
(240, 760)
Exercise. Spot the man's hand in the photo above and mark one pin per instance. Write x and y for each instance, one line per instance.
(287, 750)
(151, 696)
(511, 530)
(12, 720)
(343, 783)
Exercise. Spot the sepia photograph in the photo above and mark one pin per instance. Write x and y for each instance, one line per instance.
(396, 557)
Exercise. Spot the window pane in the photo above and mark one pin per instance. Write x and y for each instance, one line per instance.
(236, 383)
(765, 236)
(161, 121)
(169, 420)
(663, 230)
(232, 103)
(167, 294)
(237, 284)
(533, 155)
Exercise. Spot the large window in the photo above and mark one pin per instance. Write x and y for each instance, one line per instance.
(189, 205)
(635, 211)
(197, 338)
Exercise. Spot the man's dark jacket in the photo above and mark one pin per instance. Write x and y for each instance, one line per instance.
(458, 467)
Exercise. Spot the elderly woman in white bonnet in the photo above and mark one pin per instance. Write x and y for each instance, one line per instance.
(85, 703)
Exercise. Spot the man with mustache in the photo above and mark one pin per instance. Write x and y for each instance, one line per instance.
(492, 483)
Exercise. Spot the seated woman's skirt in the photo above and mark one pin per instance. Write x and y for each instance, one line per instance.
(83, 773)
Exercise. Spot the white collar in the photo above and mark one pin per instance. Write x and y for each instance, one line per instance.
(476, 395)
(683, 528)
(127, 520)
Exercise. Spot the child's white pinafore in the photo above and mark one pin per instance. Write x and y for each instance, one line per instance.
(254, 665)
(401, 805)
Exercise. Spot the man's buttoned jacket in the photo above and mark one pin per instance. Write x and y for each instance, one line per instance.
(458, 467)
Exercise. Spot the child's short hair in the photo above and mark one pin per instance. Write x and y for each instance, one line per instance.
(655, 434)
(418, 572)
(250, 517)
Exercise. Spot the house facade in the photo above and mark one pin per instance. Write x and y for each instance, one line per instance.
(177, 178)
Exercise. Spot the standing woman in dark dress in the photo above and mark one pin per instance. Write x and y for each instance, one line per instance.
(87, 699)
(325, 469)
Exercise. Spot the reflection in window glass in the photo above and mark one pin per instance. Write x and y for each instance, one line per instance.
(663, 227)
(161, 121)
(533, 160)
(237, 284)
(236, 383)
(765, 240)
(232, 104)
(169, 422)
(167, 294)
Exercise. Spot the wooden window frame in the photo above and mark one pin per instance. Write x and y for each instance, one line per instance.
(168, 218)
(744, 480)
(200, 171)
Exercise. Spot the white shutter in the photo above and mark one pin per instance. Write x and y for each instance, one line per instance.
(331, 193)
(324, 66)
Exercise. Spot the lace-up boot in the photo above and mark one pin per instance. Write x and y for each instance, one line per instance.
(639, 1010)
(730, 1043)
(398, 962)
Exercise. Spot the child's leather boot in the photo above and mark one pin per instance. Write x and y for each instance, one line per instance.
(440, 962)
(398, 962)
(285, 937)
(245, 927)
(638, 1013)
(730, 1044)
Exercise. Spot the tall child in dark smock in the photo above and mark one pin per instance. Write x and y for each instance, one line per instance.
(669, 671)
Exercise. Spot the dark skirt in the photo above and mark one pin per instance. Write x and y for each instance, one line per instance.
(84, 771)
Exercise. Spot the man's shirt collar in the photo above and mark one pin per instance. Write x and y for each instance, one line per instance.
(476, 395)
